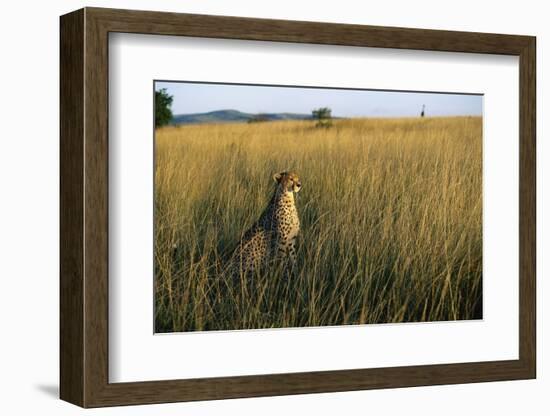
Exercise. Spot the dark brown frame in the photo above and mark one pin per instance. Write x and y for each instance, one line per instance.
(84, 208)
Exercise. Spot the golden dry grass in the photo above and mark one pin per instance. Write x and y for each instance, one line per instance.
(391, 213)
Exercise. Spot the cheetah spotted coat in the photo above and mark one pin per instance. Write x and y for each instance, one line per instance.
(272, 237)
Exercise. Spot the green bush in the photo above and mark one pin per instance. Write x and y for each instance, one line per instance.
(163, 104)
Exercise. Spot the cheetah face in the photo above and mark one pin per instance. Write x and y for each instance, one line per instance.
(288, 181)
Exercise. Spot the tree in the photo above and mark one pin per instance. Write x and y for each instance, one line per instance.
(323, 116)
(163, 104)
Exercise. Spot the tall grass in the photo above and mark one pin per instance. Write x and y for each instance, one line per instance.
(390, 216)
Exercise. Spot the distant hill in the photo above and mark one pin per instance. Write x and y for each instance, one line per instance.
(234, 116)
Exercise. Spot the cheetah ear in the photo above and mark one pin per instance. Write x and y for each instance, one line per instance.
(277, 176)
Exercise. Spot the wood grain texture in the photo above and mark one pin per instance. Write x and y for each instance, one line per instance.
(162, 23)
(84, 204)
(71, 213)
(96, 208)
(527, 207)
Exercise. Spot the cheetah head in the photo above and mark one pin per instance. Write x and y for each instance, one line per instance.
(288, 181)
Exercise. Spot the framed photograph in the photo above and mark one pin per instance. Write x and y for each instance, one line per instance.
(256, 207)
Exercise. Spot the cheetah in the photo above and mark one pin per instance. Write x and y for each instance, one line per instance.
(273, 236)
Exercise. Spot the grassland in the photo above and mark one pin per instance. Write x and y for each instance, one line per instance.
(390, 210)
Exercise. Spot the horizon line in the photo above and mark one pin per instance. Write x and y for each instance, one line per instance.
(309, 113)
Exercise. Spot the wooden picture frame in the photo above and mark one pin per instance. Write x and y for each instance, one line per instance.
(84, 207)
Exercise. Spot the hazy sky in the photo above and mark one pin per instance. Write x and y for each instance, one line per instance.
(199, 98)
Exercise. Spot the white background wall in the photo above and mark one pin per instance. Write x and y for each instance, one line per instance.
(29, 159)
